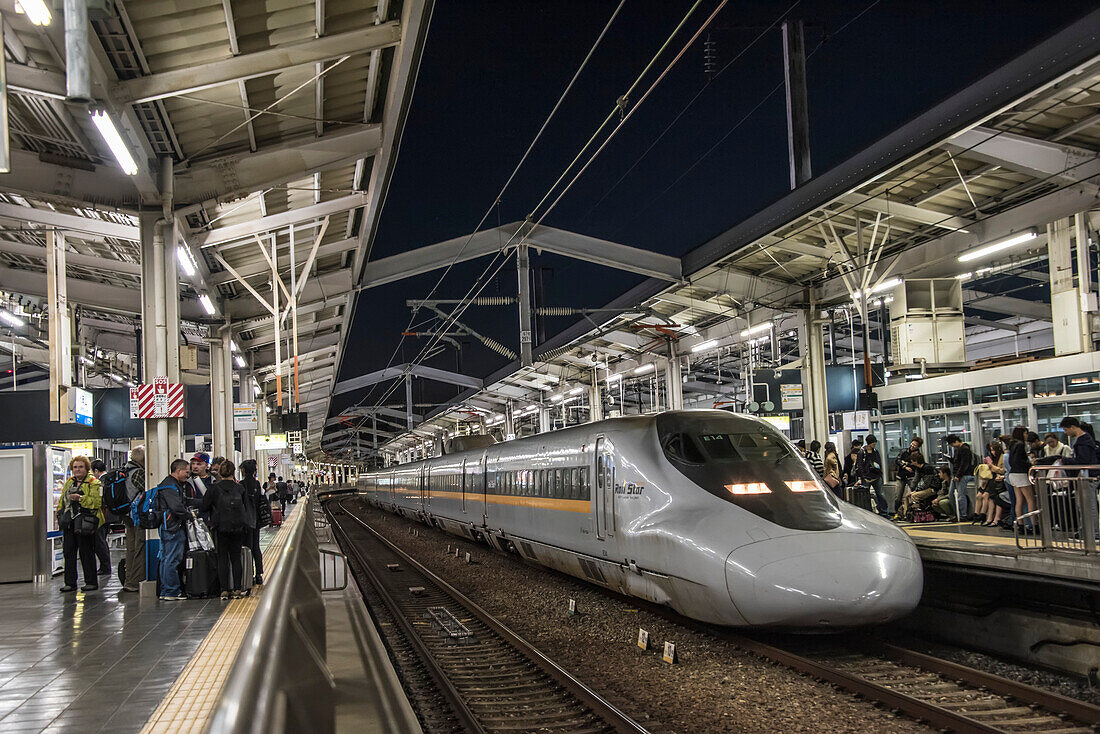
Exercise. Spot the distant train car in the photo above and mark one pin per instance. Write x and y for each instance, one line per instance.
(712, 513)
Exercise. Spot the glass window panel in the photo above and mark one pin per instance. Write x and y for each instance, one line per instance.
(908, 405)
(1049, 387)
(933, 401)
(1014, 391)
(1014, 417)
(986, 394)
(1048, 417)
(1085, 382)
(956, 399)
(935, 431)
(891, 439)
(889, 407)
(1086, 412)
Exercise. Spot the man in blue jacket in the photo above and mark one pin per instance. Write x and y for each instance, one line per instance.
(173, 530)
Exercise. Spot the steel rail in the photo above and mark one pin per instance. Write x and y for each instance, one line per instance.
(454, 699)
(604, 709)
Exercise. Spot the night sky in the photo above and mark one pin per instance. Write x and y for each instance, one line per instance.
(493, 69)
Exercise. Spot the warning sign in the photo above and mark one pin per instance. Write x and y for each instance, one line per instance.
(790, 397)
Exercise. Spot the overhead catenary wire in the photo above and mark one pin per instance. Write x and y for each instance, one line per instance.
(481, 281)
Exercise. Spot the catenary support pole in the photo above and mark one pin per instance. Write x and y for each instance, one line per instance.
(523, 272)
(798, 114)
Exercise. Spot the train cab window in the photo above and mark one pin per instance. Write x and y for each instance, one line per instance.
(540, 482)
(681, 447)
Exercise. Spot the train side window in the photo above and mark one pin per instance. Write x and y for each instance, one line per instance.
(583, 488)
(544, 487)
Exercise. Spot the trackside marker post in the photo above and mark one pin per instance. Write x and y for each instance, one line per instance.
(669, 655)
(643, 639)
(573, 606)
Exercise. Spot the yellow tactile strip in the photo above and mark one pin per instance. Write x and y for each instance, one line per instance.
(191, 700)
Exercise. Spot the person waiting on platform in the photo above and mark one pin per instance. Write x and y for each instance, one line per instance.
(1085, 452)
(233, 518)
(282, 490)
(1052, 446)
(102, 551)
(962, 475)
(79, 516)
(135, 536)
(903, 469)
(173, 529)
(814, 456)
(869, 471)
(1020, 463)
(832, 473)
(847, 473)
(214, 464)
(943, 504)
(199, 482)
(923, 486)
(263, 515)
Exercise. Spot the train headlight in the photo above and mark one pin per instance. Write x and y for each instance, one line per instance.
(750, 488)
(802, 485)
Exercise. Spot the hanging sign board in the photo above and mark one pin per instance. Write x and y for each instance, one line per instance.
(857, 420)
(162, 399)
(245, 417)
(270, 442)
(790, 397)
(80, 406)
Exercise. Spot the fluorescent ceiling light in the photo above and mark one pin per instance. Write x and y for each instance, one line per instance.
(184, 256)
(914, 377)
(614, 377)
(36, 11)
(233, 346)
(116, 378)
(240, 362)
(11, 319)
(704, 346)
(207, 304)
(644, 368)
(759, 328)
(257, 391)
(576, 391)
(883, 286)
(110, 135)
(998, 246)
(556, 398)
(964, 276)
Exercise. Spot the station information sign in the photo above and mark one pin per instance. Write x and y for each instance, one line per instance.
(82, 406)
(270, 442)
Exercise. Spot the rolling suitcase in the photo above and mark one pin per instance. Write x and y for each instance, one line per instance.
(201, 574)
(860, 496)
(276, 517)
(248, 569)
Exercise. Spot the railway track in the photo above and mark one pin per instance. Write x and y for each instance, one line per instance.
(944, 694)
(492, 679)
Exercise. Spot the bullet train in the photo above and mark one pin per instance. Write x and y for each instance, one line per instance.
(712, 513)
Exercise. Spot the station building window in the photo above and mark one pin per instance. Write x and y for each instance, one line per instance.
(1047, 418)
(889, 407)
(933, 401)
(908, 405)
(1014, 391)
(956, 398)
(1049, 387)
(1086, 382)
(987, 394)
(1014, 417)
(1087, 412)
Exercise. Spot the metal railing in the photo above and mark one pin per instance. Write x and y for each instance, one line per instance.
(1066, 516)
(280, 681)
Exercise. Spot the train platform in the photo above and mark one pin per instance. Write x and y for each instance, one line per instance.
(118, 662)
(996, 551)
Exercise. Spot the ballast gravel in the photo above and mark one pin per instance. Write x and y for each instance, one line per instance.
(714, 686)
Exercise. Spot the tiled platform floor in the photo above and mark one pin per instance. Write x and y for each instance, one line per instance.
(92, 662)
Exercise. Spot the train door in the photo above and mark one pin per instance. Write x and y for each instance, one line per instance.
(483, 477)
(422, 485)
(464, 482)
(605, 489)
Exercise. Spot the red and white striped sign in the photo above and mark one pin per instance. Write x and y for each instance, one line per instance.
(158, 400)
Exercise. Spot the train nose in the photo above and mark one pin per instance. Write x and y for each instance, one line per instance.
(817, 579)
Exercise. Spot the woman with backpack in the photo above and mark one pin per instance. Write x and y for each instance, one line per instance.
(233, 518)
(79, 517)
(263, 515)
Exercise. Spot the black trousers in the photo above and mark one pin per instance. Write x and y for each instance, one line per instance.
(102, 550)
(228, 547)
(84, 546)
(257, 554)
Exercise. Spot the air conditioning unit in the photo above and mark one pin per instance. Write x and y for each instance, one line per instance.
(926, 322)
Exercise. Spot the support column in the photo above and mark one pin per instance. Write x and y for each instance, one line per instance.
(523, 270)
(1084, 279)
(246, 395)
(408, 402)
(798, 114)
(674, 380)
(595, 405)
(61, 362)
(1071, 327)
(509, 422)
(544, 418)
(218, 379)
(227, 395)
(815, 402)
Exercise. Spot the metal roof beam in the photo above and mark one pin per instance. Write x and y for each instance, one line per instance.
(417, 370)
(291, 159)
(1007, 305)
(72, 258)
(609, 254)
(261, 63)
(1031, 156)
(905, 211)
(251, 269)
(246, 230)
(81, 227)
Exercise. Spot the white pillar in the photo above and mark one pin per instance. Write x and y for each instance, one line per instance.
(1071, 327)
(815, 403)
(674, 381)
(227, 395)
(595, 405)
(217, 395)
(544, 418)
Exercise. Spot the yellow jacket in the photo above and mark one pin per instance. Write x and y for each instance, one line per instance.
(92, 499)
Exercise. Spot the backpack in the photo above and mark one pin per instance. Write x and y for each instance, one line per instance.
(143, 510)
(114, 493)
(230, 509)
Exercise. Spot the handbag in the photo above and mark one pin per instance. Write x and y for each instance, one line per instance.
(85, 524)
(202, 539)
(65, 519)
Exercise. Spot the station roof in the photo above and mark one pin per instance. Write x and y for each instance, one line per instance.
(1008, 154)
(281, 125)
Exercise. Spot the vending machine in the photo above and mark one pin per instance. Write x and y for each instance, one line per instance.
(31, 479)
